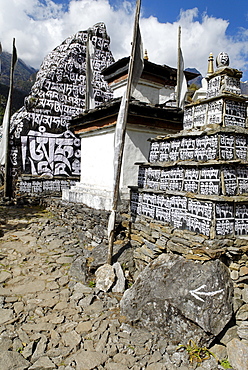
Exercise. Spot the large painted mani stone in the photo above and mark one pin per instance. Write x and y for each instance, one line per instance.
(41, 144)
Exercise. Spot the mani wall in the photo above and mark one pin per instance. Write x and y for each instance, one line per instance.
(198, 179)
(45, 154)
(191, 204)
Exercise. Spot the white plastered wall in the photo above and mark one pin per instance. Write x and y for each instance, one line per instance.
(147, 92)
(97, 157)
(95, 188)
(136, 150)
(97, 150)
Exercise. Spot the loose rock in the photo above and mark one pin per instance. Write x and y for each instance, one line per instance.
(105, 277)
(238, 354)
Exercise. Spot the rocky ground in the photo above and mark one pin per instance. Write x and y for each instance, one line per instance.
(49, 319)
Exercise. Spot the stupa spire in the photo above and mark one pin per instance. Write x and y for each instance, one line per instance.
(210, 64)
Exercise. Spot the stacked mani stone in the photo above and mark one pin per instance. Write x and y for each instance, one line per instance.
(198, 179)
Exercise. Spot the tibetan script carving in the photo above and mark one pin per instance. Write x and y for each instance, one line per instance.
(226, 147)
(200, 115)
(215, 112)
(209, 181)
(235, 113)
(230, 181)
(214, 87)
(50, 154)
(164, 149)
(188, 118)
(154, 152)
(224, 213)
(241, 219)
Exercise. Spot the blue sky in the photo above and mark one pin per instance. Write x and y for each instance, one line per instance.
(168, 11)
(207, 26)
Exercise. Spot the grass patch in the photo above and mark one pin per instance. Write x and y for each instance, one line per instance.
(92, 284)
(225, 364)
(196, 353)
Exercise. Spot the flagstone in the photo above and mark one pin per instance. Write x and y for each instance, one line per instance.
(87, 360)
(5, 315)
(43, 363)
(32, 287)
(10, 360)
(4, 275)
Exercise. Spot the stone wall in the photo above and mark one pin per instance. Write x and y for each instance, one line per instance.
(151, 238)
(91, 226)
(140, 240)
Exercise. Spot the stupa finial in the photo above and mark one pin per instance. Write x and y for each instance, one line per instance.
(146, 55)
(210, 64)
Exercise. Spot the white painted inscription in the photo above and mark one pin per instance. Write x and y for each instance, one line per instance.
(224, 213)
(153, 178)
(188, 118)
(142, 175)
(232, 84)
(235, 113)
(176, 179)
(226, 147)
(214, 87)
(209, 181)
(241, 219)
(164, 151)
(149, 205)
(242, 178)
(174, 150)
(206, 148)
(163, 209)
(241, 147)
(200, 115)
(136, 203)
(50, 154)
(187, 149)
(215, 112)
(191, 180)
(164, 179)
(154, 152)
(230, 181)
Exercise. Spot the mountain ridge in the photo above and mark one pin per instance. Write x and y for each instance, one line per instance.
(24, 78)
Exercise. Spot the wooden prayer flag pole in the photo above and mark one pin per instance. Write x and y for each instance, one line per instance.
(136, 64)
(6, 122)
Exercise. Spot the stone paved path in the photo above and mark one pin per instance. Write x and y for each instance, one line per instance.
(49, 320)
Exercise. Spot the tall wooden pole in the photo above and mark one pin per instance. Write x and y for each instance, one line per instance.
(89, 95)
(87, 70)
(119, 151)
(7, 174)
(179, 77)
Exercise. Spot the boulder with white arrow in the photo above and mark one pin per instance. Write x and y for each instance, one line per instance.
(181, 299)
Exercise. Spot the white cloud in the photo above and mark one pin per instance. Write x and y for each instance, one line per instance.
(198, 39)
(40, 26)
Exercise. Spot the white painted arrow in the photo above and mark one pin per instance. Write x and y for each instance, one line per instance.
(196, 292)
